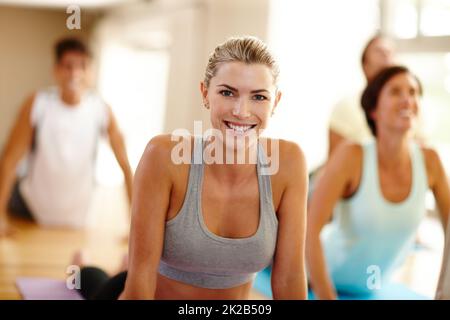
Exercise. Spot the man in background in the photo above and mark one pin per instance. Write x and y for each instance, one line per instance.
(59, 128)
(347, 121)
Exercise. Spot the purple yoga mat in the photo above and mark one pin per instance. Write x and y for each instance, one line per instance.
(45, 289)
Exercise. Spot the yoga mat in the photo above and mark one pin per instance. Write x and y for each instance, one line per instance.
(391, 291)
(262, 282)
(45, 289)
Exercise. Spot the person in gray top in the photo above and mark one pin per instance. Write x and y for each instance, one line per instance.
(202, 225)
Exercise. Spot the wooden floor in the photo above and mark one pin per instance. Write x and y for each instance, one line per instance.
(45, 252)
(38, 252)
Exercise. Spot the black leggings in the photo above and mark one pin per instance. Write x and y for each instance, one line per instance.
(17, 205)
(96, 284)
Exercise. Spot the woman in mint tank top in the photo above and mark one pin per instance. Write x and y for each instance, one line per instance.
(367, 206)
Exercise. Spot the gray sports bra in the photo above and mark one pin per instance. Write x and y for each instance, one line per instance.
(194, 255)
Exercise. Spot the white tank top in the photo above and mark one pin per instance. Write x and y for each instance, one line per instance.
(60, 179)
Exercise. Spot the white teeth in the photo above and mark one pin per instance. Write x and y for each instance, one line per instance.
(405, 113)
(238, 128)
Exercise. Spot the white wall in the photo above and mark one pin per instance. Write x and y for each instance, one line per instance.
(27, 37)
(318, 44)
(194, 28)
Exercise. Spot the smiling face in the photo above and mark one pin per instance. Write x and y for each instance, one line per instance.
(398, 104)
(241, 98)
(72, 72)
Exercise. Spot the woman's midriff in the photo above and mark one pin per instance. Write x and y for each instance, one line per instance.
(168, 289)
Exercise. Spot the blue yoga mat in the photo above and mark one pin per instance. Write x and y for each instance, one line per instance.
(392, 291)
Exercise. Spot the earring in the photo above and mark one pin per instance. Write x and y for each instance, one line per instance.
(206, 106)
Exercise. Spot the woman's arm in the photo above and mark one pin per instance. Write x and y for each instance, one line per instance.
(288, 272)
(438, 184)
(333, 185)
(151, 195)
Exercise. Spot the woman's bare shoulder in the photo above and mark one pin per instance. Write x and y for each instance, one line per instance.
(281, 147)
(347, 154)
(433, 164)
(291, 156)
(167, 152)
(286, 158)
(291, 153)
(430, 155)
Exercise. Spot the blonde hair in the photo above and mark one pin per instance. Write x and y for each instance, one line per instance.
(245, 49)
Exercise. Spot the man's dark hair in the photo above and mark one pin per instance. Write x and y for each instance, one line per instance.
(70, 45)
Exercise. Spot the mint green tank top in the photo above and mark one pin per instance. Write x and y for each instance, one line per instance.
(369, 235)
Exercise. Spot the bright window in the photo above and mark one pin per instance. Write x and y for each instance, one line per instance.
(133, 80)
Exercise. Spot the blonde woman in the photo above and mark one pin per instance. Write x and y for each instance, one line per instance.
(203, 230)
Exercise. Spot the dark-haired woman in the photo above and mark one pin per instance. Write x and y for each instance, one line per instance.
(374, 193)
